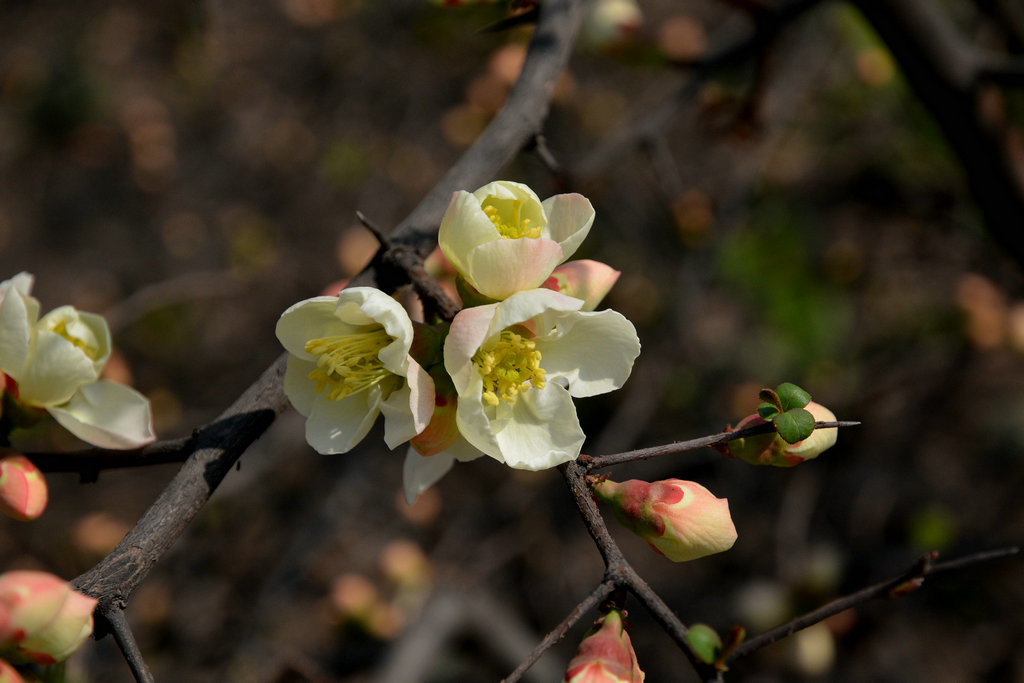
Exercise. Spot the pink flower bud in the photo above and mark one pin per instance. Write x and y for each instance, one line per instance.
(681, 520)
(772, 449)
(605, 655)
(46, 620)
(585, 279)
(22, 487)
(8, 674)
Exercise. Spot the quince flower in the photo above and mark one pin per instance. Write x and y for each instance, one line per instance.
(517, 364)
(23, 492)
(56, 362)
(349, 361)
(679, 519)
(605, 655)
(772, 449)
(584, 279)
(47, 620)
(502, 239)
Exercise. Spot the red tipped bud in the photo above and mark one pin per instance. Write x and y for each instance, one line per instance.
(605, 655)
(681, 520)
(23, 492)
(8, 674)
(46, 619)
(772, 449)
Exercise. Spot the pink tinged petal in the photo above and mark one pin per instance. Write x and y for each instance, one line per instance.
(464, 227)
(442, 430)
(605, 655)
(503, 267)
(18, 315)
(309, 319)
(468, 332)
(407, 410)
(696, 522)
(541, 304)
(55, 641)
(543, 430)
(298, 387)
(587, 280)
(108, 415)
(420, 472)
(337, 426)
(569, 219)
(593, 351)
(23, 492)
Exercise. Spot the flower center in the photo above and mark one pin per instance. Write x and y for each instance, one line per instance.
(508, 366)
(348, 363)
(511, 227)
(61, 328)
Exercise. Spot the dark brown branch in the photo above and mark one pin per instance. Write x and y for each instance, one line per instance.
(895, 587)
(115, 620)
(597, 462)
(89, 462)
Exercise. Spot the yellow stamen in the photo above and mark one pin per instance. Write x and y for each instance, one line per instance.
(509, 366)
(348, 363)
(514, 227)
(61, 328)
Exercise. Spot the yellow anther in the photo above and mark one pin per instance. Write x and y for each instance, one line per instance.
(509, 366)
(511, 226)
(348, 363)
(61, 328)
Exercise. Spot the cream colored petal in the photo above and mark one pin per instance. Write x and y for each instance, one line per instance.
(464, 227)
(87, 329)
(468, 331)
(108, 415)
(408, 409)
(474, 422)
(544, 431)
(593, 351)
(503, 267)
(337, 426)
(383, 310)
(587, 280)
(309, 319)
(420, 472)
(18, 315)
(298, 387)
(543, 304)
(570, 217)
(55, 370)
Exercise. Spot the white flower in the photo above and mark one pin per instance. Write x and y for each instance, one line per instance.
(420, 472)
(502, 239)
(350, 362)
(517, 364)
(56, 362)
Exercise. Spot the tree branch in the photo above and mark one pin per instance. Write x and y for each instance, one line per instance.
(117, 623)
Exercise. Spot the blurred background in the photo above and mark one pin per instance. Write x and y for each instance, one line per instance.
(190, 169)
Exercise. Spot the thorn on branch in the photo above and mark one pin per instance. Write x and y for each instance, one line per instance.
(382, 239)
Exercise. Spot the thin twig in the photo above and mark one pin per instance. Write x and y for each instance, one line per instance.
(597, 462)
(125, 639)
(89, 462)
(895, 587)
(600, 592)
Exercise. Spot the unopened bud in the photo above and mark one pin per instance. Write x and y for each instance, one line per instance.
(605, 655)
(8, 674)
(47, 620)
(681, 520)
(772, 449)
(584, 279)
(23, 492)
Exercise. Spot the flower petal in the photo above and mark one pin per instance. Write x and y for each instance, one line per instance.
(108, 415)
(593, 351)
(503, 267)
(569, 219)
(468, 331)
(585, 279)
(383, 310)
(464, 227)
(309, 319)
(408, 409)
(474, 423)
(544, 430)
(337, 426)
(86, 330)
(420, 472)
(18, 315)
(542, 304)
(55, 370)
(298, 387)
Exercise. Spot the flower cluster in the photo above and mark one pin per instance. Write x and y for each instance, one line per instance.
(51, 366)
(42, 620)
(500, 379)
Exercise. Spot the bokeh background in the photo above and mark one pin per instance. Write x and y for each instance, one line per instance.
(190, 169)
